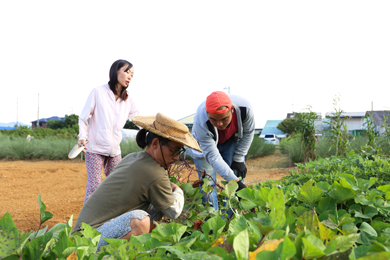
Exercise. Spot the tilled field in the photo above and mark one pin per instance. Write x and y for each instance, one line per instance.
(62, 187)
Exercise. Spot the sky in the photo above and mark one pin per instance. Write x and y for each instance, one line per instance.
(282, 56)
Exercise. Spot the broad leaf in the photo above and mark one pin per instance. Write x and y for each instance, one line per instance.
(379, 226)
(368, 212)
(250, 198)
(12, 242)
(230, 189)
(216, 224)
(308, 221)
(341, 243)
(367, 233)
(45, 215)
(285, 250)
(324, 186)
(241, 245)
(310, 193)
(6, 222)
(325, 204)
(277, 207)
(342, 191)
(171, 232)
(311, 251)
(377, 256)
(36, 248)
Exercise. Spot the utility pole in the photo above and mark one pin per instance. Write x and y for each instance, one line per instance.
(38, 112)
(17, 114)
(292, 106)
(228, 89)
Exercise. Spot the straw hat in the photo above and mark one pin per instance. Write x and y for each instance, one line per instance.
(168, 128)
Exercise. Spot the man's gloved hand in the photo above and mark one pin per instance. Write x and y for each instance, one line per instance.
(240, 185)
(239, 169)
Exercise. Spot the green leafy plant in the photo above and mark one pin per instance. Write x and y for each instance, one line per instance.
(306, 128)
(338, 132)
(340, 212)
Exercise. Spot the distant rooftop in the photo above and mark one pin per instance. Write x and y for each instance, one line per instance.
(378, 116)
(349, 114)
(187, 120)
(291, 115)
(44, 120)
(270, 128)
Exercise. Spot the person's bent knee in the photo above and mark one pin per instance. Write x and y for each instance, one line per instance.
(139, 227)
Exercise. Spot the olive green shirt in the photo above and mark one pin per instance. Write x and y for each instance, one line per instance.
(135, 183)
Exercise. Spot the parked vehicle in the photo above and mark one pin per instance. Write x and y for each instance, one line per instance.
(271, 139)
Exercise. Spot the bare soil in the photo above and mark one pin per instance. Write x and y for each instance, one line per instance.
(62, 187)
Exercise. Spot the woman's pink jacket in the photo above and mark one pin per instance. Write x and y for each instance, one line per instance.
(103, 128)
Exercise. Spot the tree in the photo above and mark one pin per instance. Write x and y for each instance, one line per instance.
(71, 120)
(338, 130)
(305, 126)
(288, 126)
(55, 124)
(130, 125)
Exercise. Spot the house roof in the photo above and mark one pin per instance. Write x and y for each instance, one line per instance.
(291, 115)
(378, 116)
(270, 128)
(50, 118)
(349, 114)
(187, 120)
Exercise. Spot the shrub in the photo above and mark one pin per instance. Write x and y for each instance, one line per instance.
(291, 146)
(259, 148)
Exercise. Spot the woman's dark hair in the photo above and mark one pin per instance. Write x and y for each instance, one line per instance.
(114, 77)
(144, 140)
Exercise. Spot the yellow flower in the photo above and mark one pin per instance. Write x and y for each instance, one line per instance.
(219, 241)
(269, 245)
(72, 256)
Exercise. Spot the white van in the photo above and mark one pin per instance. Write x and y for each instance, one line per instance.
(271, 139)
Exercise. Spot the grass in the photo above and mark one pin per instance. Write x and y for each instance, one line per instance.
(129, 147)
(57, 148)
(259, 148)
(49, 148)
(323, 147)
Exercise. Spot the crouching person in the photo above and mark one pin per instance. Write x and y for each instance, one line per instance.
(138, 190)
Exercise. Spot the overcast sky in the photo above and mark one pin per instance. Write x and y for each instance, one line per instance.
(280, 55)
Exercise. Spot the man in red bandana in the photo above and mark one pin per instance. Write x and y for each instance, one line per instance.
(224, 127)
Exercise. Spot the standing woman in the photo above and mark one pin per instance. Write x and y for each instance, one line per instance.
(109, 107)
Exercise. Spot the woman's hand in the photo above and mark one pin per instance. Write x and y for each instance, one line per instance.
(174, 186)
(82, 142)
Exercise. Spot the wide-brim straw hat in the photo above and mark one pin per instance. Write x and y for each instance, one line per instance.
(168, 128)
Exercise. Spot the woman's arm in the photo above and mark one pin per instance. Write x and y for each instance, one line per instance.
(175, 210)
(85, 113)
(134, 111)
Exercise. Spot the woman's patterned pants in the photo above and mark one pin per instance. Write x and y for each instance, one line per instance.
(94, 163)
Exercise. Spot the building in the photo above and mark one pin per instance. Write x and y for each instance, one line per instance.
(355, 121)
(258, 131)
(291, 115)
(188, 121)
(271, 128)
(378, 118)
(43, 121)
(318, 123)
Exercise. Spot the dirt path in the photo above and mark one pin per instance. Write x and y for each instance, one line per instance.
(62, 187)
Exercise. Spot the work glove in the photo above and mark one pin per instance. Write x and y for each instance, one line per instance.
(241, 185)
(239, 169)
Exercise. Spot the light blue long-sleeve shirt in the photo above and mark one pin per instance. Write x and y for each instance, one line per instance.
(208, 141)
